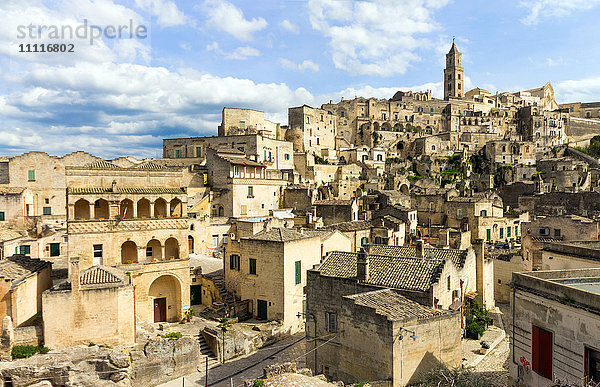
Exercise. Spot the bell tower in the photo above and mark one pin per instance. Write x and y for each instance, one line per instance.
(453, 74)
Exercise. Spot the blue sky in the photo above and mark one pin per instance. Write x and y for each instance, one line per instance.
(123, 96)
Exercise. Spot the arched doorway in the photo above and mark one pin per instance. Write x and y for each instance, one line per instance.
(143, 208)
(191, 244)
(165, 298)
(172, 248)
(160, 208)
(404, 188)
(154, 250)
(126, 209)
(82, 210)
(101, 209)
(129, 252)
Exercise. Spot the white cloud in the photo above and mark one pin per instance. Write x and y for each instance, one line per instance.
(166, 12)
(302, 66)
(242, 53)
(374, 37)
(366, 91)
(289, 26)
(224, 16)
(582, 90)
(543, 9)
(186, 46)
(554, 62)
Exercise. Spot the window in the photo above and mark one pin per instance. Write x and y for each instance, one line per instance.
(298, 272)
(501, 232)
(307, 120)
(343, 113)
(199, 151)
(448, 283)
(508, 232)
(2, 218)
(31, 175)
(225, 238)
(458, 213)
(544, 231)
(331, 322)
(252, 266)
(364, 241)
(215, 241)
(321, 118)
(516, 230)
(47, 210)
(178, 153)
(47, 201)
(242, 124)
(488, 234)
(250, 192)
(483, 213)
(54, 249)
(592, 365)
(25, 250)
(149, 251)
(557, 232)
(541, 352)
(234, 262)
(286, 156)
(97, 254)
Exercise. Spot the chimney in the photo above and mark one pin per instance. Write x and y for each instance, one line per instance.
(420, 249)
(362, 266)
(75, 274)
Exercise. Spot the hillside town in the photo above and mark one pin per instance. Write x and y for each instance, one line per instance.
(366, 240)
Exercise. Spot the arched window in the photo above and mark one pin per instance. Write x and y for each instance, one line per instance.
(126, 209)
(143, 208)
(129, 252)
(101, 209)
(364, 241)
(160, 208)
(82, 210)
(172, 248)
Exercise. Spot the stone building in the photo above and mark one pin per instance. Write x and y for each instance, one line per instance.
(273, 153)
(558, 255)
(588, 110)
(23, 281)
(341, 296)
(96, 305)
(133, 220)
(236, 122)
(242, 187)
(386, 337)
(545, 128)
(337, 210)
(358, 231)
(503, 152)
(311, 129)
(270, 270)
(555, 327)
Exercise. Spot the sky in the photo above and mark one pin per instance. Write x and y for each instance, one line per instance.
(187, 60)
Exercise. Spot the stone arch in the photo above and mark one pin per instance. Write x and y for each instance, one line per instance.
(126, 209)
(154, 250)
(375, 126)
(403, 188)
(143, 208)
(101, 210)
(82, 210)
(160, 208)
(172, 248)
(129, 252)
(164, 296)
(386, 126)
(176, 208)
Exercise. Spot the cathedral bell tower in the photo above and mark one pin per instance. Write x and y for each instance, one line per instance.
(453, 74)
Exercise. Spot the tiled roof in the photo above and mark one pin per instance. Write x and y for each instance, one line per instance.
(279, 234)
(126, 190)
(11, 191)
(394, 306)
(18, 267)
(321, 233)
(101, 164)
(8, 234)
(458, 257)
(393, 272)
(336, 202)
(350, 226)
(98, 275)
(149, 165)
(237, 160)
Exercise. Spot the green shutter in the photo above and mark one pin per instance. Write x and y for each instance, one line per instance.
(516, 230)
(508, 232)
(1, 216)
(252, 266)
(25, 250)
(31, 175)
(47, 210)
(488, 233)
(501, 232)
(298, 272)
(54, 249)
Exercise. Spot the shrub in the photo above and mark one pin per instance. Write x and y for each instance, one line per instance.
(172, 335)
(258, 383)
(477, 318)
(457, 377)
(25, 351)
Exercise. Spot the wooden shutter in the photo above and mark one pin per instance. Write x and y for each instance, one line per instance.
(298, 272)
(541, 352)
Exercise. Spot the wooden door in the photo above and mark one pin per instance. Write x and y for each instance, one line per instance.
(261, 307)
(160, 309)
(191, 244)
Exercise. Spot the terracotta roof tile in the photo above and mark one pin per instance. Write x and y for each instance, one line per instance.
(18, 267)
(126, 190)
(350, 226)
(280, 235)
(458, 257)
(98, 275)
(336, 202)
(393, 272)
(101, 164)
(393, 305)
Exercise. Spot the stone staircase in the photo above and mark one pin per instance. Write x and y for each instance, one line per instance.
(207, 353)
(219, 281)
